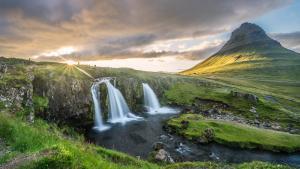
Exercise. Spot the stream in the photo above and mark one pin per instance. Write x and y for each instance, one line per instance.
(137, 138)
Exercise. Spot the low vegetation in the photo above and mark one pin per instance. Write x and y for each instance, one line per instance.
(58, 151)
(186, 94)
(45, 147)
(233, 134)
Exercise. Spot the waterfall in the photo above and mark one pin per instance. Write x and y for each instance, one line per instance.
(150, 98)
(118, 109)
(152, 104)
(99, 125)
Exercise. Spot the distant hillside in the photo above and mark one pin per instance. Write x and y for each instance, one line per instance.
(251, 52)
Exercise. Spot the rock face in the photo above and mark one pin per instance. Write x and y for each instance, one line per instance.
(70, 98)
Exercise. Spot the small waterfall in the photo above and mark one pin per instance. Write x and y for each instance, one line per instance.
(99, 125)
(150, 98)
(118, 108)
(152, 104)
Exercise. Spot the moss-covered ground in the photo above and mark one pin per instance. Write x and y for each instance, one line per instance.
(187, 93)
(234, 134)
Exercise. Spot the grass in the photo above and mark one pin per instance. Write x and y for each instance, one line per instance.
(40, 103)
(70, 151)
(61, 152)
(266, 72)
(187, 93)
(23, 138)
(233, 134)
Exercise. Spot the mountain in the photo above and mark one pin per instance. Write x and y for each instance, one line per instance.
(250, 52)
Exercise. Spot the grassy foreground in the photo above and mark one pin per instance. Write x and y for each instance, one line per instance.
(45, 147)
(234, 134)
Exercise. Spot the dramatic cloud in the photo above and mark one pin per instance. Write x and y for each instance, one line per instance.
(290, 40)
(107, 29)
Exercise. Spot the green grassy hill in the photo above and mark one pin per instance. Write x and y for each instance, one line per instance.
(253, 61)
(250, 52)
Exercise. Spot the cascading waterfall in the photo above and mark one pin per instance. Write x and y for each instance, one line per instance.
(99, 125)
(152, 104)
(118, 109)
(150, 98)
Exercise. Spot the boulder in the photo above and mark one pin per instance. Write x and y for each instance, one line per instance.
(294, 131)
(3, 69)
(163, 156)
(253, 110)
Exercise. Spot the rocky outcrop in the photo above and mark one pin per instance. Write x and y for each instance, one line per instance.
(70, 99)
(250, 97)
(16, 90)
(163, 156)
(160, 154)
(3, 70)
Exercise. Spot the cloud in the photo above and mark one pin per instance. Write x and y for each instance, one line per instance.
(106, 29)
(290, 40)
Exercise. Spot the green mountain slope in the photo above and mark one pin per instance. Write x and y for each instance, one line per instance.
(251, 59)
(250, 52)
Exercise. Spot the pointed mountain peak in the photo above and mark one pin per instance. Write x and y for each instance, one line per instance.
(246, 37)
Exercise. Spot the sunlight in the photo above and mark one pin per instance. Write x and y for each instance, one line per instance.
(70, 62)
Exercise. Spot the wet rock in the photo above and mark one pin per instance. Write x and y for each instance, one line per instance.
(207, 136)
(211, 112)
(164, 156)
(163, 137)
(253, 110)
(214, 156)
(275, 126)
(294, 131)
(250, 97)
(158, 145)
(256, 122)
(266, 125)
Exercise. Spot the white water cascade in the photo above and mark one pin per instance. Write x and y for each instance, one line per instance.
(118, 108)
(150, 98)
(99, 125)
(152, 104)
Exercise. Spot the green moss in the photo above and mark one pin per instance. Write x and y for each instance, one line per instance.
(234, 134)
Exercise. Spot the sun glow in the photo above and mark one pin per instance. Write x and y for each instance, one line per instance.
(70, 62)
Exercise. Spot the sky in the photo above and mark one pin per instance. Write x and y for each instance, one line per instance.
(156, 35)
